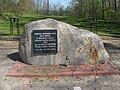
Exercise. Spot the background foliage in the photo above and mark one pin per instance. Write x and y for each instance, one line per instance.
(100, 16)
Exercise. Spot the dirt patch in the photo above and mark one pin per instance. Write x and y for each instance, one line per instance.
(8, 44)
(111, 40)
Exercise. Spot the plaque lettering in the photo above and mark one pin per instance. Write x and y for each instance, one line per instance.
(44, 42)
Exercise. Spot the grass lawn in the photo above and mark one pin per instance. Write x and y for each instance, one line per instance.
(103, 27)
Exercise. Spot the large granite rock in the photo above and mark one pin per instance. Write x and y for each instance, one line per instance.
(75, 46)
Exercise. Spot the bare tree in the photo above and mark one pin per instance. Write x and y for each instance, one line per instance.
(115, 5)
(103, 7)
(47, 7)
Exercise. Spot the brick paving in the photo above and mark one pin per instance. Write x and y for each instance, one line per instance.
(9, 55)
(20, 69)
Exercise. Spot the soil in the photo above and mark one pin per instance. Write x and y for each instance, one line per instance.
(9, 53)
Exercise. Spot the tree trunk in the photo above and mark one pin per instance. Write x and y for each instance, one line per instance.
(47, 7)
(115, 2)
(103, 10)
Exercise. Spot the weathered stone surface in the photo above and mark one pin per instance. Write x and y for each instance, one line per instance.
(75, 46)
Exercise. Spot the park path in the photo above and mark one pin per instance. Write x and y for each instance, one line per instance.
(8, 53)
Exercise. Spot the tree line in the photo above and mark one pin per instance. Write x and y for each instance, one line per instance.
(17, 6)
(97, 9)
(30, 6)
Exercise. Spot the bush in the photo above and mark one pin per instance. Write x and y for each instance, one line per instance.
(7, 15)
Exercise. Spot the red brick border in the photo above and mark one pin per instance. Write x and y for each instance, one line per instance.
(23, 70)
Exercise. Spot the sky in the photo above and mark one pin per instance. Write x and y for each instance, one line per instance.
(62, 2)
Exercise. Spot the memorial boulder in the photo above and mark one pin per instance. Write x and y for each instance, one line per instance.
(48, 42)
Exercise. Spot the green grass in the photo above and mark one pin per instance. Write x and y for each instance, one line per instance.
(103, 27)
(4, 26)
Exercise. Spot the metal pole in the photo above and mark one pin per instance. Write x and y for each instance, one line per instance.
(11, 26)
(17, 26)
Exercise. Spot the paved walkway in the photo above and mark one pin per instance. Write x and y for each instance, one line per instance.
(8, 53)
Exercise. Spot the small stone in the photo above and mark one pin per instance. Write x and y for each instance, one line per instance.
(77, 88)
